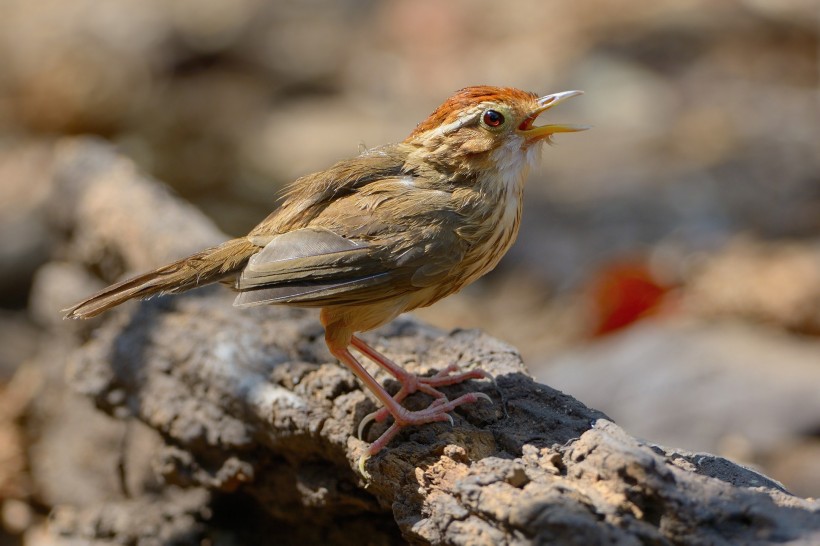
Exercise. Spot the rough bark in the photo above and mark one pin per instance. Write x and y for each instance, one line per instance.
(239, 422)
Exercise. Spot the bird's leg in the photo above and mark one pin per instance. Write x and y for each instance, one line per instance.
(403, 417)
(411, 383)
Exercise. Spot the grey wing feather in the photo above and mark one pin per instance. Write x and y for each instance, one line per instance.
(302, 243)
(313, 294)
(309, 253)
(312, 267)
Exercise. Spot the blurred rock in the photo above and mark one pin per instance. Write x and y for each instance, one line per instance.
(15, 482)
(55, 287)
(18, 338)
(25, 172)
(723, 387)
(798, 12)
(796, 464)
(78, 65)
(174, 517)
(778, 284)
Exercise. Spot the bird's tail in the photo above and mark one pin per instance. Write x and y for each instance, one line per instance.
(206, 267)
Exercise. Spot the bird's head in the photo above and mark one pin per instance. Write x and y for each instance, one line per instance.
(484, 127)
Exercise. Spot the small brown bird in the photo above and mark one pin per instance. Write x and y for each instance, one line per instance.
(396, 228)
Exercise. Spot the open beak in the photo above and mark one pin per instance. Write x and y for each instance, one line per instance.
(534, 134)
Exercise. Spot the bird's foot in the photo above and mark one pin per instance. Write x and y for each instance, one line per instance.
(411, 383)
(436, 412)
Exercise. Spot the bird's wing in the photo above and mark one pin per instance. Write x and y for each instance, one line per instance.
(316, 267)
(362, 231)
(362, 257)
(308, 266)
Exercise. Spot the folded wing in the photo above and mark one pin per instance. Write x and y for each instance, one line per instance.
(315, 267)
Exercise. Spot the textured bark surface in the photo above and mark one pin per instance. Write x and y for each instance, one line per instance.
(238, 425)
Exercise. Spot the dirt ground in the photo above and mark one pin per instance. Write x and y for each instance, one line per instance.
(667, 271)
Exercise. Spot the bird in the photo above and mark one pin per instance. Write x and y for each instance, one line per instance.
(395, 228)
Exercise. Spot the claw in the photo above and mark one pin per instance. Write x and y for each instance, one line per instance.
(483, 396)
(500, 395)
(366, 420)
(362, 461)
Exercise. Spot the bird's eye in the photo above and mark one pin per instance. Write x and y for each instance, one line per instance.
(492, 118)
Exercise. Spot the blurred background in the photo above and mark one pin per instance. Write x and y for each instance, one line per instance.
(668, 266)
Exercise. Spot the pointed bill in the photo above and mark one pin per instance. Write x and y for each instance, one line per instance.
(534, 134)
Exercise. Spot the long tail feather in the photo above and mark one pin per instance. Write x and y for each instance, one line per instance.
(202, 268)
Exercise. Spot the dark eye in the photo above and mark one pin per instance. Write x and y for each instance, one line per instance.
(492, 118)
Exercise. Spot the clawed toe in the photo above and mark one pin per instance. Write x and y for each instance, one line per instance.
(366, 420)
(482, 396)
(438, 411)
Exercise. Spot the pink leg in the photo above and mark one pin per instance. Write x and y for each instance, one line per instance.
(438, 411)
(411, 383)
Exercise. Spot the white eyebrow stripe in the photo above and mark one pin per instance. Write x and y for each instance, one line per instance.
(471, 116)
(457, 124)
